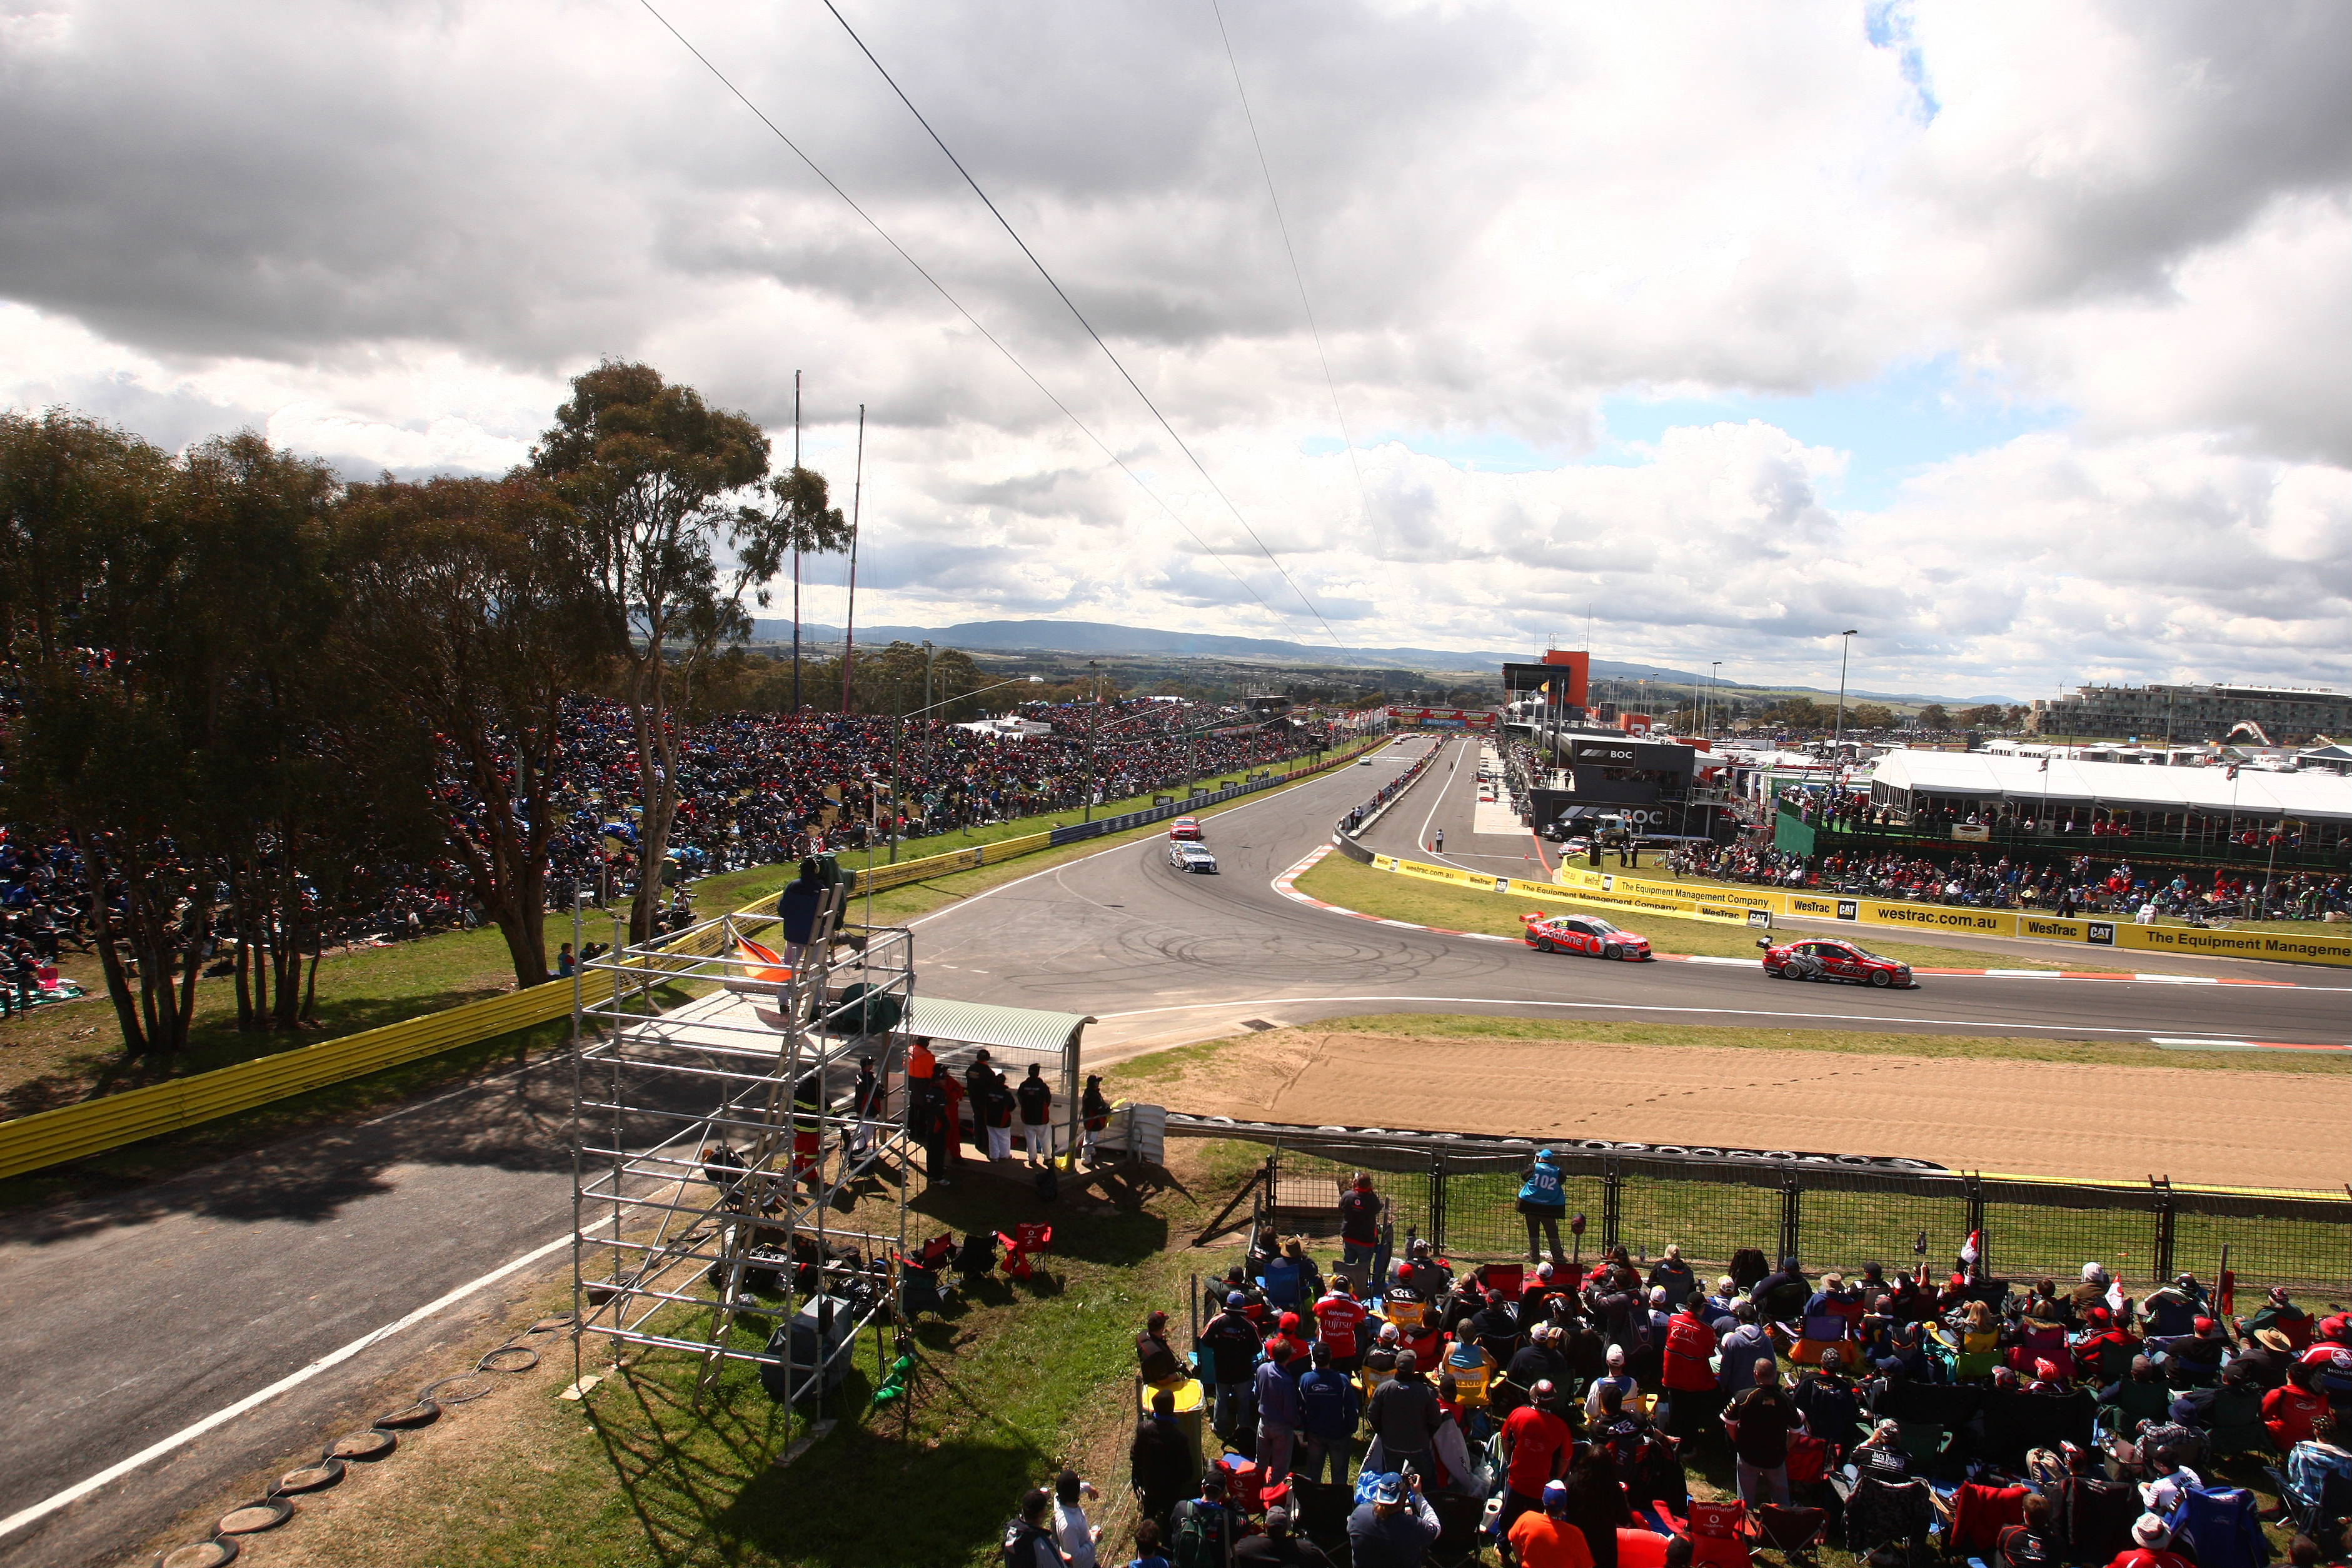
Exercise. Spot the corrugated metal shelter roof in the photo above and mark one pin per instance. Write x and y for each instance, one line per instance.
(2306, 796)
(986, 1023)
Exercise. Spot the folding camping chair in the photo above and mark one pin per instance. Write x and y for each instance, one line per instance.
(1504, 1280)
(1822, 1331)
(1031, 1238)
(920, 1290)
(1791, 1532)
(1718, 1535)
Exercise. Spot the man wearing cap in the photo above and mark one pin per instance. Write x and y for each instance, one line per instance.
(1539, 1361)
(1339, 1324)
(2105, 1352)
(1742, 1348)
(1360, 1230)
(1155, 1359)
(1201, 1529)
(1535, 1443)
(1615, 1377)
(1542, 1537)
(2192, 1360)
(2152, 1538)
(1543, 1202)
(1395, 1529)
(1424, 1274)
(1278, 1545)
(1230, 1345)
(1404, 1416)
(1329, 1410)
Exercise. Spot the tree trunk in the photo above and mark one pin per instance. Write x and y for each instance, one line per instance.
(104, 938)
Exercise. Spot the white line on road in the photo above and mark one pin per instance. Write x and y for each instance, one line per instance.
(1635, 1008)
(186, 1434)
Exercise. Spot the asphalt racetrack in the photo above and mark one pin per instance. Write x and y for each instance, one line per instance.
(130, 1318)
(1163, 956)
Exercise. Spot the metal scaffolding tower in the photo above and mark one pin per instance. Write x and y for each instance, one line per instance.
(717, 1147)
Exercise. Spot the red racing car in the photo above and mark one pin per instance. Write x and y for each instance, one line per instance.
(1587, 934)
(1185, 828)
(1826, 958)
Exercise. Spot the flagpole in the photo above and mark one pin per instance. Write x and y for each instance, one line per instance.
(796, 547)
(856, 499)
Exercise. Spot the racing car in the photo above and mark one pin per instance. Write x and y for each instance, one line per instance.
(1583, 933)
(1192, 857)
(1828, 958)
(1186, 827)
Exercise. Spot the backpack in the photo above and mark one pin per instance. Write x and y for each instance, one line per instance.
(1021, 1539)
(1049, 1186)
(1194, 1540)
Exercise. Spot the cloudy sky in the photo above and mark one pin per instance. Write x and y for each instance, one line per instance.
(2014, 336)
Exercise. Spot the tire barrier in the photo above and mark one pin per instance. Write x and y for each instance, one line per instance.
(376, 1441)
(1423, 1142)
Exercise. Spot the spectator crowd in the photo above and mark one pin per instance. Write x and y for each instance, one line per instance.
(1405, 1411)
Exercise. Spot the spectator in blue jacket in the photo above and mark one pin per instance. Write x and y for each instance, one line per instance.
(1277, 1413)
(1329, 1411)
(1543, 1201)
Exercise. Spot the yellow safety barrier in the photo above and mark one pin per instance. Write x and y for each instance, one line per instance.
(1880, 914)
(1685, 906)
(93, 1126)
(881, 879)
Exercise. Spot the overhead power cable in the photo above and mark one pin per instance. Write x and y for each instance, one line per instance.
(993, 342)
(1298, 275)
(1210, 479)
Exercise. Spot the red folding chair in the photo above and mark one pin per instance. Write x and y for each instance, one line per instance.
(1718, 1535)
(1505, 1279)
(1029, 1239)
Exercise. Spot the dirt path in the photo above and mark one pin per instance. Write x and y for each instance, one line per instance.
(2235, 1129)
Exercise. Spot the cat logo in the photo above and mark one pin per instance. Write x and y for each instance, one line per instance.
(2099, 934)
(1849, 910)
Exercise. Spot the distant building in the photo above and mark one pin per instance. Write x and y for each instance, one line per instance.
(2193, 712)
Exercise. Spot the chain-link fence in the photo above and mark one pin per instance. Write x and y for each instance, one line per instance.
(1462, 1194)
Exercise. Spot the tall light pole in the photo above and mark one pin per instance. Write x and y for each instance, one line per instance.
(1844, 647)
(1713, 679)
(1094, 727)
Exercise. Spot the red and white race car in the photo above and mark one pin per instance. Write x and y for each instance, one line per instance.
(1588, 934)
(1826, 958)
(1185, 828)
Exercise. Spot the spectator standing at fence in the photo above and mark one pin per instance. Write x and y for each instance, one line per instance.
(1759, 1422)
(1276, 1392)
(1161, 1466)
(1359, 1229)
(979, 1082)
(1543, 1202)
(1035, 1097)
(951, 1098)
(1230, 1343)
(797, 907)
(1071, 1532)
(1329, 1411)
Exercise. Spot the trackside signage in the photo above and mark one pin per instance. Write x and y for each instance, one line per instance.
(1883, 915)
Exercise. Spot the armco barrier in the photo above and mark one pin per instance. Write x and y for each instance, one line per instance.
(1888, 915)
(75, 1131)
(1687, 907)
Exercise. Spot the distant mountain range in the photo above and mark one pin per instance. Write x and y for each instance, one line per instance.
(1099, 636)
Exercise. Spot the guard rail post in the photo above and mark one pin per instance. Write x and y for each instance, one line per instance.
(1972, 1191)
(1613, 1191)
(2160, 1188)
(1437, 1201)
(1792, 1193)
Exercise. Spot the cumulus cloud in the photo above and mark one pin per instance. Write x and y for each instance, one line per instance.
(387, 231)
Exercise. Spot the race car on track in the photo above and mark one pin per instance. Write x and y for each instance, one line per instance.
(1185, 828)
(1587, 934)
(1826, 958)
(1192, 857)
